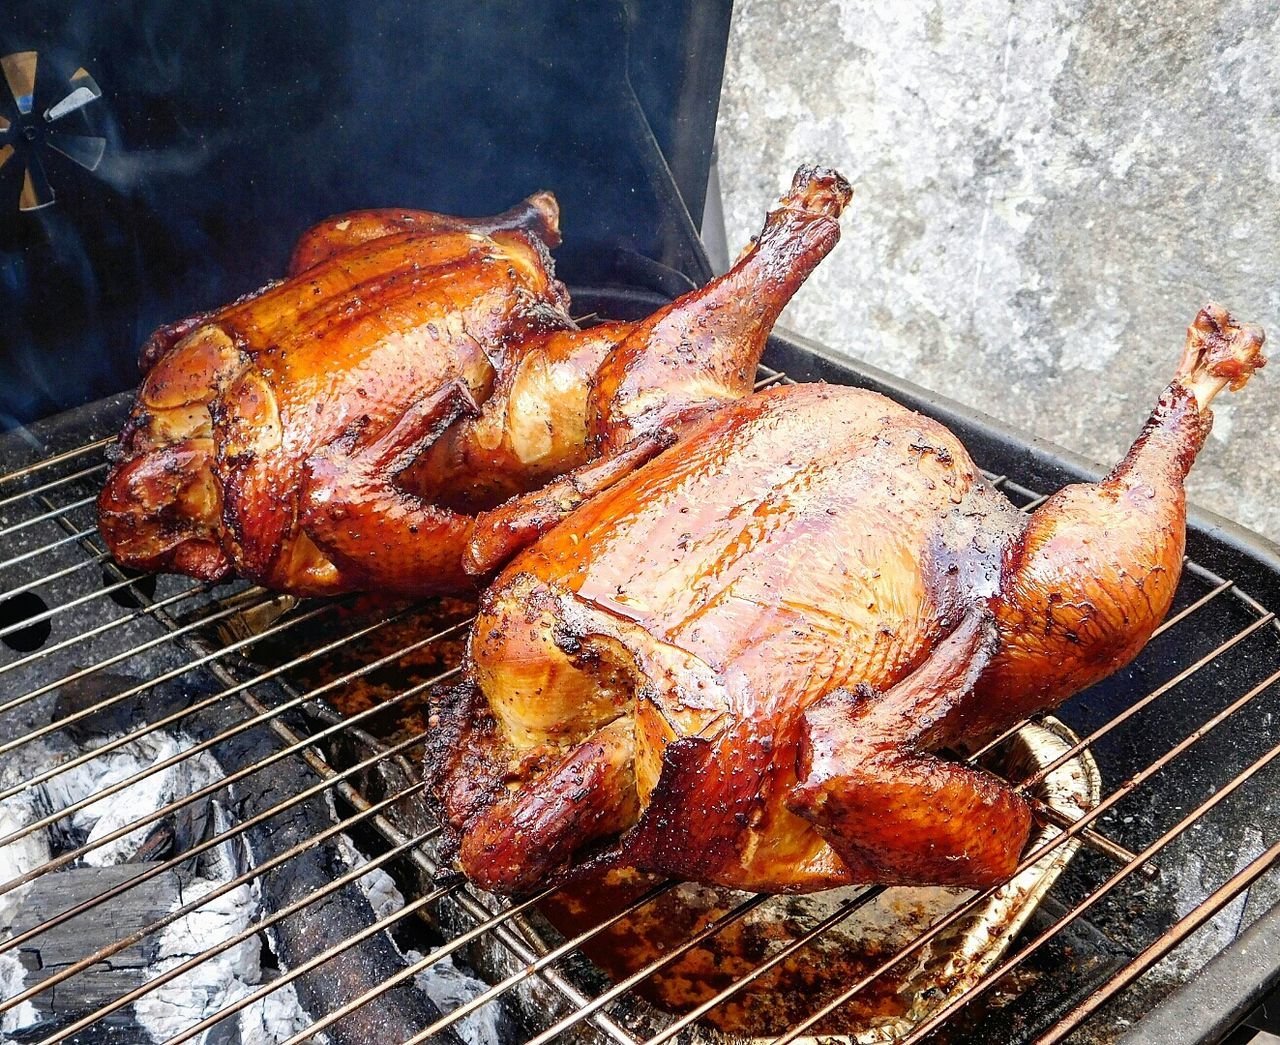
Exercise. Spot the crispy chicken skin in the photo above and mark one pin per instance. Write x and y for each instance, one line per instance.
(738, 664)
(211, 468)
(341, 429)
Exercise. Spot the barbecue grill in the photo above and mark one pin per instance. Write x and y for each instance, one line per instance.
(212, 821)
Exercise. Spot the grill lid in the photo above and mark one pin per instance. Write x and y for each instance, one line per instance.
(165, 162)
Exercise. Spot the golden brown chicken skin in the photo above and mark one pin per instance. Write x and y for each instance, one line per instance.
(342, 429)
(212, 468)
(737, 665)
(662, 376)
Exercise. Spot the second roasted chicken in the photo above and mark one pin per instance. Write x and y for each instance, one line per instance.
(341, 429)
(739, 664)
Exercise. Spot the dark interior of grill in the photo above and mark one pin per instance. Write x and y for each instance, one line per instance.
(259, 756)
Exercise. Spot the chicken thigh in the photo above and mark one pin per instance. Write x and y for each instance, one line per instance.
(739, 664)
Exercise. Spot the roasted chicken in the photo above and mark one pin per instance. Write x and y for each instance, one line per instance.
(341, 429)
(741, 663)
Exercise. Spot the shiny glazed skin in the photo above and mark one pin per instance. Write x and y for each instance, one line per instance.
(414, 404)
(736, 666)
(212, 468)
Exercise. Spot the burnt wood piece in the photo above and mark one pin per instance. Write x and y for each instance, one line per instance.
(99, 926)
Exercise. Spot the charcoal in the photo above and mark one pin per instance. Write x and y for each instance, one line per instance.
(123, 716)
(99, 926)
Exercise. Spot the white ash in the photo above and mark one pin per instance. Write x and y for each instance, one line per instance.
(379, 888)
(214, 984)
(207, 987)
(448, 987)
(17, 858)
(21, 855)
(99, 819)
(12, 982)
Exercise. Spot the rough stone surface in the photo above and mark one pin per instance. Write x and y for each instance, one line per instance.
(1046, 192)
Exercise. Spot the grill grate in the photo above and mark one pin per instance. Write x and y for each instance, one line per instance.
(68, 615)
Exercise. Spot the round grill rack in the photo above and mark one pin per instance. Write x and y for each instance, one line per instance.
(1174, 863)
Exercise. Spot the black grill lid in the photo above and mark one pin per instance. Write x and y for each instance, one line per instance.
(167, 158)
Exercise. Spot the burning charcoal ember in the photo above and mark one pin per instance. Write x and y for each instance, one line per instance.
(396, 1014)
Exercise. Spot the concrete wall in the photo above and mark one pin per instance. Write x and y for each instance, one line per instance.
(1045, 195)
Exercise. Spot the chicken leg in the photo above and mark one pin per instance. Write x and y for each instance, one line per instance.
(1096, 568)
(697, 353)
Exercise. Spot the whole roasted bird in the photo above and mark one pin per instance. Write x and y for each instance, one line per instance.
(325, 434)
(737, 666)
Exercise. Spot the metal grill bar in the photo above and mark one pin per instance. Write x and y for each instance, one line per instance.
(313, 963)
(1060, 923)
(105, 591)
(963, 909)
(70, 604)
(1170, 622)
(828, 923)
(212, 742)
(457, 942)
(53, 484)
(210, 789)
(116, 658)
(51, 546)
(624, 985)
(341, 882)
(49, 578)
(142, 687)
(103, 953)
(100, 629)
(49, 462)
(167, 865)
(1150, 698)
(46, 516)
(547, 959)
(1180, 930)
(1183, 614)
